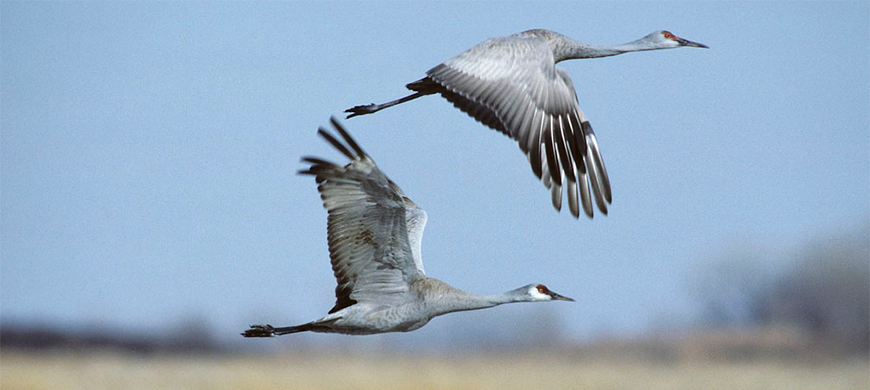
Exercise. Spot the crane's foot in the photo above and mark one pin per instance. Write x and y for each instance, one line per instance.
(362, 110)
(260, 331)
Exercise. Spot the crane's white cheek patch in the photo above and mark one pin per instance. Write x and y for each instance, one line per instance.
(538, 296)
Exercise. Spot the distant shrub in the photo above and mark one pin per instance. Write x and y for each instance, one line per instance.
(824, 290)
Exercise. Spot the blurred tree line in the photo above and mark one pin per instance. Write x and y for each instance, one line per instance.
(823, 289)
(189, 334)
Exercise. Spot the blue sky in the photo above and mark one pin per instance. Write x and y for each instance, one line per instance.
(149, 153)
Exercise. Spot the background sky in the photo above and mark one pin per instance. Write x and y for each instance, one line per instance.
(149, 150)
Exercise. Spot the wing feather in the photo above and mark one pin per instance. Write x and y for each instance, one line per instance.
(374, 230)
(565, 158)
(535, 142)
(550, 145)
(573, 205)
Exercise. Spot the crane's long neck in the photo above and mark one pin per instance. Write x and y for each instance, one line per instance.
(470, 301)
(565, 48)
(443, 298)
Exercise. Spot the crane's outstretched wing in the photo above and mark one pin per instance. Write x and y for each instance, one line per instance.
(374, 230)
(512, 85)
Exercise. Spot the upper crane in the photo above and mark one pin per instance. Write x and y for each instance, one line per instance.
(511, 84)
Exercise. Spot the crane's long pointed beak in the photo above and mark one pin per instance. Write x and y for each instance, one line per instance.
(557, 297)
(686, 42)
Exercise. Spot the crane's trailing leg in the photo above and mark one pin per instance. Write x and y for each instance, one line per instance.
(373, 108)
(270, 331)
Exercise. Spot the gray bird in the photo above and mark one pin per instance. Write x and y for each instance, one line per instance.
(511, 84)
(374, 232)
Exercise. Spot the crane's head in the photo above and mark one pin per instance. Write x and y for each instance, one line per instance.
(665, 40)
(539, 292)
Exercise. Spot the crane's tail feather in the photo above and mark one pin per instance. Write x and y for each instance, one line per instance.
(270, 331)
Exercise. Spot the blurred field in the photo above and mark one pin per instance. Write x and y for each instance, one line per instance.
(56, 371)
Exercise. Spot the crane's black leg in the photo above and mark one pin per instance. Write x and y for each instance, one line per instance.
(270, 331)
(260, 331)
(373, 108)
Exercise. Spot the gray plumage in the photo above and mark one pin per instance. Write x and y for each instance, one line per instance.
(375, 233)
(511, 84)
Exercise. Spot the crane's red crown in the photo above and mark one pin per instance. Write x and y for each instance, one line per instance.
(668, 35)
(543, 289)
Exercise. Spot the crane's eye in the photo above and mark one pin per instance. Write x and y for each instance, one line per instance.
(668, 35)
(543, 289)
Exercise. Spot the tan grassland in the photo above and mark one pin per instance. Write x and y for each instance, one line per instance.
(58, 371)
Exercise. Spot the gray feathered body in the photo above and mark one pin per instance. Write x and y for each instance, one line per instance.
(429, 298)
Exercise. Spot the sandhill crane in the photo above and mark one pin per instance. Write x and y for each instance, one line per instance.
(512, 85)
(374, 233)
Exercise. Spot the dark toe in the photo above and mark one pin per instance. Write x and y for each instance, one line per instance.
(260, 331)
